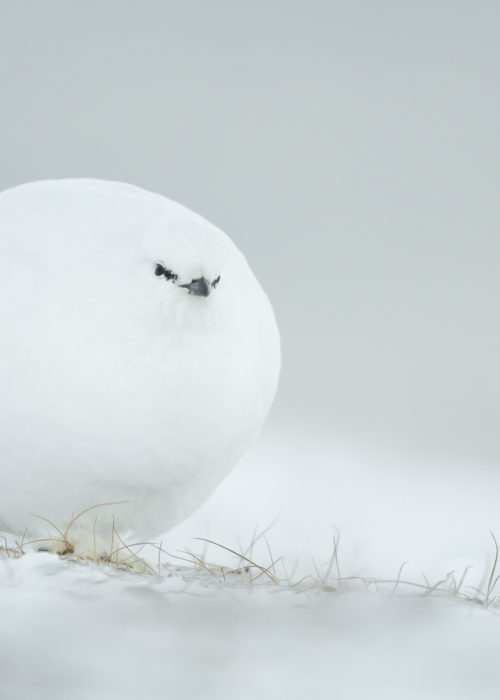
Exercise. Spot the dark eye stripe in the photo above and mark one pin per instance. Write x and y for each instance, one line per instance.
(168, 274)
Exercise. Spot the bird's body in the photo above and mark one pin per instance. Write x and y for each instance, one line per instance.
(119, 382)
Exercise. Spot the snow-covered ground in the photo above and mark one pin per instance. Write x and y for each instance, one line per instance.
(81, 630)
(74, 631)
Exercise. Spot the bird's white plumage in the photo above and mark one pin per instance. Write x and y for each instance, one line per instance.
(116, 384)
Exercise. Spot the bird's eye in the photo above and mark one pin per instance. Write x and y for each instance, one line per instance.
(216, 282)
(161, 270)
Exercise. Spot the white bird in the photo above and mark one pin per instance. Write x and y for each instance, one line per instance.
(138, 361)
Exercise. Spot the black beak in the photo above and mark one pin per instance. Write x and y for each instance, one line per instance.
(199, 287)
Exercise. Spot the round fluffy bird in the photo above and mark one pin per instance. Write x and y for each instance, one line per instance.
(138, 361)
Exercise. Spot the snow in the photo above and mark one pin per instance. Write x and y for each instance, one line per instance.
(84, 630)
(72, 630)
(76, 631)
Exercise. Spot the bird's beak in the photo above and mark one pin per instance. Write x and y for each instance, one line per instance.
(199, 287)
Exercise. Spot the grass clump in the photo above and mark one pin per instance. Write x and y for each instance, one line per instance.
(247, 571)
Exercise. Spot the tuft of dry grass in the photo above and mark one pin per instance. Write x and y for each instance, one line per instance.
(121, 555)
(327, 578)
(246, 571)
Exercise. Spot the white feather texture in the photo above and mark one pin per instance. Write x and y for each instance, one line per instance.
(116, 384)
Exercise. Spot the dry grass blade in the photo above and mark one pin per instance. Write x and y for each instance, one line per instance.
(437, 586)
(385, 581)
(493, 580)
(241, 556)
(257, 536)
(334, 559)
(398, 577)
(301, 580)
(273, 563)
(74, 518)
(42, 517)
(261, 573)
(11, 552)
(68, 547)
(211, 569)
(462, 579)
(132, 556)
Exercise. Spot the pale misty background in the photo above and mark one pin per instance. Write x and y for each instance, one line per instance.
(351, 150)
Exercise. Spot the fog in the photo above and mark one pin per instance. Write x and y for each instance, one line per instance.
(349, 148)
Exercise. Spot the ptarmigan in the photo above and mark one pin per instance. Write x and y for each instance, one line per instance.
(138, 361)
